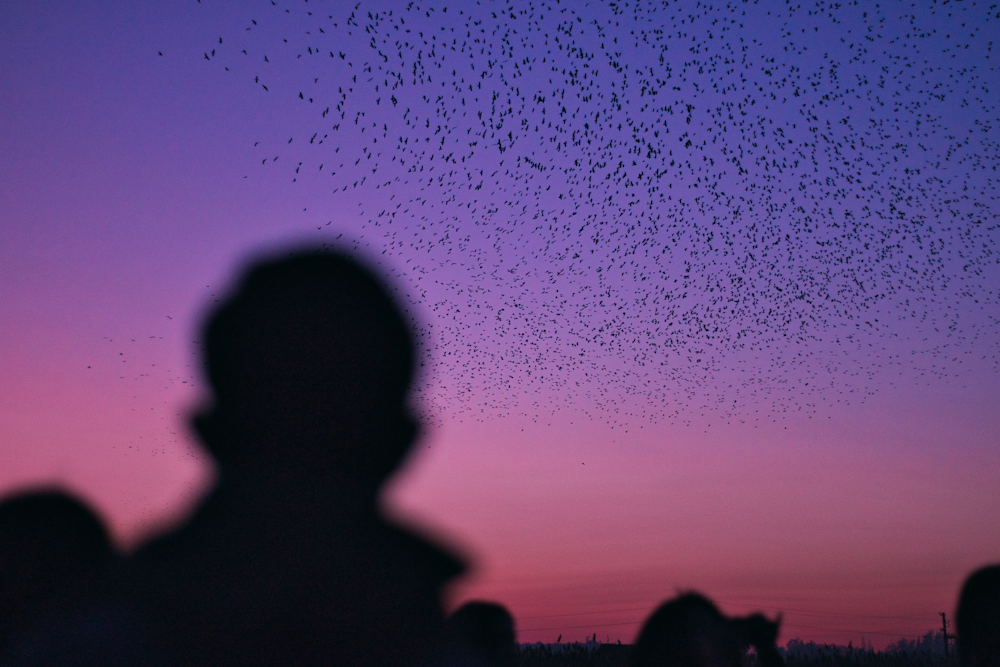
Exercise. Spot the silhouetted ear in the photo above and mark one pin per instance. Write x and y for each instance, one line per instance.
(205, 423)
(403, 431)
(409, 429)
(201, 424)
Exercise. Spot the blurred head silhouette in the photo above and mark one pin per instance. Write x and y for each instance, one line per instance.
(289, 561)
(310, 362)
(51, 548)
(690, 631)
(482, 633)
(977, 619)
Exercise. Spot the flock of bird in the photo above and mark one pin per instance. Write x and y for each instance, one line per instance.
(655, 208)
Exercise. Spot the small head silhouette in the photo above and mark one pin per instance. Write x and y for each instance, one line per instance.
(310, 361)
(977, 620)
(484, 632)
(760, 633)
(690, 631)
(51, 547)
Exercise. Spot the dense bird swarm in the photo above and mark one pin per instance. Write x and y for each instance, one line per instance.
(655, 208)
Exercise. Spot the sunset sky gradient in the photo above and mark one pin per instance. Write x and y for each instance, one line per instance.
(130, 192)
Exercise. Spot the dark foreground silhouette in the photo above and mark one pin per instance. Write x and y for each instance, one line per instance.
(690, 631)
(482, 633)
(977, 619)
(53, 550)
(288, 562)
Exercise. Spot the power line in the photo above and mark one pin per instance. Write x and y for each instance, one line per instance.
(576, 627)
(914, 635)
(827, 630)
(830, 631)
(827, 613)
(771, 608)
(743, 606)
(590, 613)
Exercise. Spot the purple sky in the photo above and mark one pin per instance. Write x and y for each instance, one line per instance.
(596, 440)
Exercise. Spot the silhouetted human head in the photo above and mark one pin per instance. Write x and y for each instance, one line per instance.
(686, 631)
(690, 631)
(977, 620)
(484, 631)
(50, 546)
(310, 362)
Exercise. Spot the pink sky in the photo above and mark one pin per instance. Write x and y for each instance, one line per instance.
(124, 209)
(874, 512)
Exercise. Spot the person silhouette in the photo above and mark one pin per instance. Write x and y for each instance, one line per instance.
(481, 633)
(977, 619)
(289, 560)
(53, 550)
(690, 631)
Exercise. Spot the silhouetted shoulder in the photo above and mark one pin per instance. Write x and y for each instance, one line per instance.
(363, 590)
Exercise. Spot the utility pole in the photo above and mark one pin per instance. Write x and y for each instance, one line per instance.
(944, 633)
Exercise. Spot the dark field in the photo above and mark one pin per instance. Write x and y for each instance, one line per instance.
(617, 656)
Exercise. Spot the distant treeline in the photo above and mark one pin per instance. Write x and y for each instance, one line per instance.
(570, 655)
(927, 651)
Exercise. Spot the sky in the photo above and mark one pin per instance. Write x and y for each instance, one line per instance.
(707, 296)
